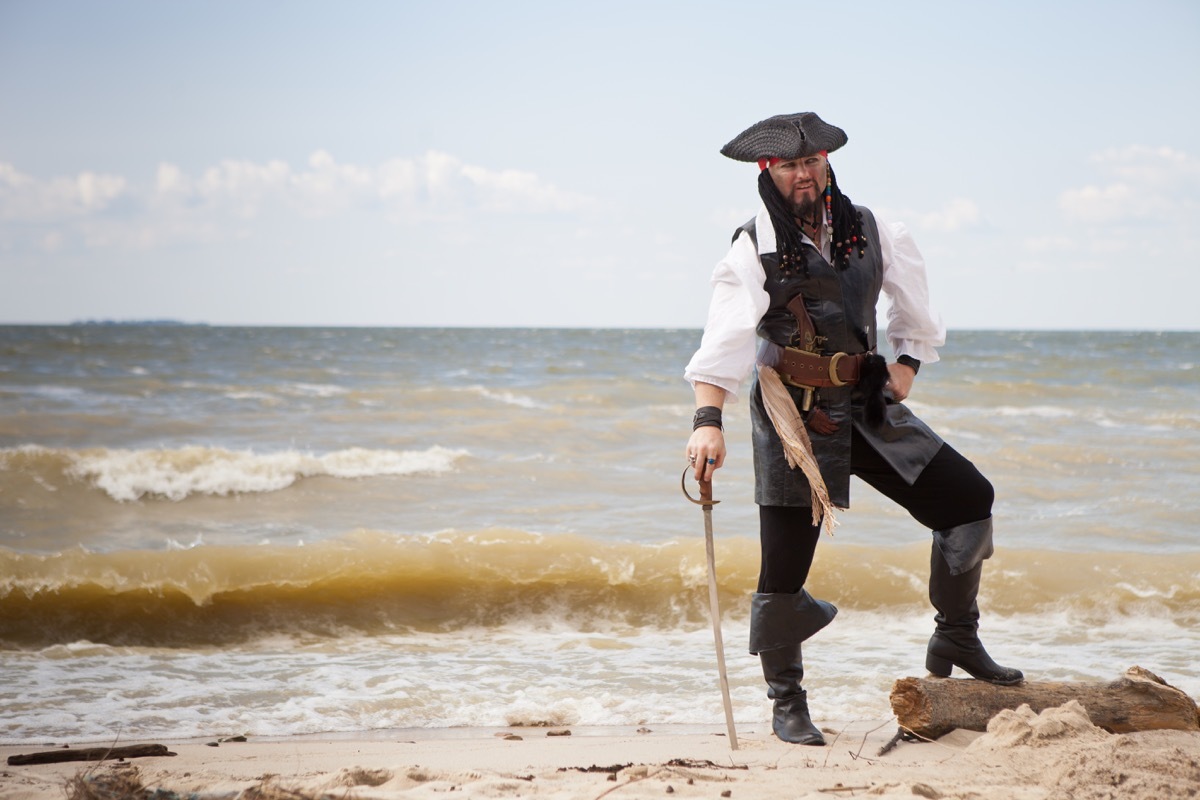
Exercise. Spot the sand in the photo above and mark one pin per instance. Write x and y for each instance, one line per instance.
(1023, 756)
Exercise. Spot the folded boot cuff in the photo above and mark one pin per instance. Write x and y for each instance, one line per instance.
(965, 546)
(779, 619)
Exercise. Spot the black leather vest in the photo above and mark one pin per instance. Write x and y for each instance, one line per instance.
(841, 304)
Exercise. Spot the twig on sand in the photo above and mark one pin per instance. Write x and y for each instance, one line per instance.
(863, 743)
(631, 780)
(90, 754)
(840, 788)
(904, 734)
(891, 743)
(671, 766)
(837, 736)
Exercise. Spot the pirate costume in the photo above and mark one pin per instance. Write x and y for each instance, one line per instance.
(800, 306)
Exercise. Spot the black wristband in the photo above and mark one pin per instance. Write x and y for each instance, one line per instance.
(909, 362)
(707, 417)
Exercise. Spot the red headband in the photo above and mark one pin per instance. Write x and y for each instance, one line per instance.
(763, 163)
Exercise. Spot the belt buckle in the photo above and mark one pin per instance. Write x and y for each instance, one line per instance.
(833, 365)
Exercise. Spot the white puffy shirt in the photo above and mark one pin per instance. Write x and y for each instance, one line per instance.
(730, 341)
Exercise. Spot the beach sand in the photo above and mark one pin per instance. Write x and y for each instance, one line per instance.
(1023, 756)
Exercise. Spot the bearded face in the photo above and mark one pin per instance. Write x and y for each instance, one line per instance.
(801, 181)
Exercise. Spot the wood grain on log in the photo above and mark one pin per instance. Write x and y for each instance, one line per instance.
(90, 754)
(1137, 701)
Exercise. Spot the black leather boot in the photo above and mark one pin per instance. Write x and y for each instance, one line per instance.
(784, 670)
(778, 624)
(955, 642)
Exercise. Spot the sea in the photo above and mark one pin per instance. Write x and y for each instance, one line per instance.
(217, 531)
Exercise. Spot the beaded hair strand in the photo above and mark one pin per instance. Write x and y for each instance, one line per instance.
(846, 221)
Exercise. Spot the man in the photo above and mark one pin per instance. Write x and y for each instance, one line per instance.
(797, 295)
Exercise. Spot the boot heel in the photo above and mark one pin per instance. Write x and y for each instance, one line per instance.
(938, 666)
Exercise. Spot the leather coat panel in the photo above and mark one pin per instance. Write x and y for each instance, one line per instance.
(841, 304)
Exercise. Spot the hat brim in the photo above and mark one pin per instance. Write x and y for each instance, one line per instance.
(785, 136)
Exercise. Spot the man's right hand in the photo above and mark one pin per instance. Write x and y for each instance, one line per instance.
(706, 451)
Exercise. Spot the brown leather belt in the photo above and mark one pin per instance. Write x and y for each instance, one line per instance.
(806, 368)
(809, 369)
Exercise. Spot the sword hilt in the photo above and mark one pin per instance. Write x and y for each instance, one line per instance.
(705, 490)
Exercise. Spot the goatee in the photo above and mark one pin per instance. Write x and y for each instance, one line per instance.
(806, 209)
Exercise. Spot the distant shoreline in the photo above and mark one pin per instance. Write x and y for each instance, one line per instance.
(145, 323)
(170, 323)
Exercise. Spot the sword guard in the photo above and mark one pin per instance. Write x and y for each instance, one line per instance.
(705, 489)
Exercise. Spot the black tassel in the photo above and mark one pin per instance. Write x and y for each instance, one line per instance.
(871, 382)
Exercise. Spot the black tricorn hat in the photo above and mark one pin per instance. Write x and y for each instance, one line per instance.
(785, 137)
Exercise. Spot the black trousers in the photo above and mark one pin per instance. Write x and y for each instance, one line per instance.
(950, 491)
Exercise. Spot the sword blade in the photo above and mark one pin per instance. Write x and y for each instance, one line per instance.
(714, 607)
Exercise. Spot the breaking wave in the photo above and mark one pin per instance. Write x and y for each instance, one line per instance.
(376, 583)
(173, 474)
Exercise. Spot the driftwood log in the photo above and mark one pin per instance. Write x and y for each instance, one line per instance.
(1137, 701)
(89, 754)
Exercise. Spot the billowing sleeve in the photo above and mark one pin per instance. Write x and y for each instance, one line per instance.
(729, 344)
(914, 328)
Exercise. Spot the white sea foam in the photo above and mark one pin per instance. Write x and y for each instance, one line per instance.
(251, 395)
(537, 674)
(314, 390)
(509, 398)
(50, 392)
(1047, 412)
(127, 475)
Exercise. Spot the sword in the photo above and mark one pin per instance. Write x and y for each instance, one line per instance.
(706, 502)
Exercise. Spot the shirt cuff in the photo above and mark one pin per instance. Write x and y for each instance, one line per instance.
(922, 351)
(730, 386)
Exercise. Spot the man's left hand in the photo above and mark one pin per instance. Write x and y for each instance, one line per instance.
(900, 380)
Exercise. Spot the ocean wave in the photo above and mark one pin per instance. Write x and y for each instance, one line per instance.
(176, 473)
(374, 583)
(49, 392)
(1045, 412)
(508, 398)
(322, 390)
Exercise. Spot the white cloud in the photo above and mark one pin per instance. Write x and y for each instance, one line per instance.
(170, 179)
(242, 187)
(24, 198)
(328, 188)
(220, 201)
(1155, 167)
(957, 214)
(1099, 204)
(1137, 183)
(443, 183)
(95, 192)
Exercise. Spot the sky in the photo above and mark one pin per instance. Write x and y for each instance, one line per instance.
(557, 163)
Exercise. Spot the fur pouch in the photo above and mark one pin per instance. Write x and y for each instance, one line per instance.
(872, 382)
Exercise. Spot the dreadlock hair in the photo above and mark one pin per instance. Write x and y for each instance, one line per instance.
(847, 234)
(846, 220)
(783, 218)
